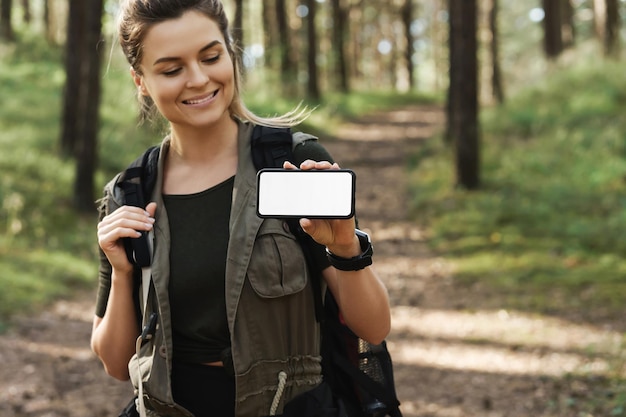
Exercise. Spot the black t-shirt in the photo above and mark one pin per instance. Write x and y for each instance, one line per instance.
(199, 240)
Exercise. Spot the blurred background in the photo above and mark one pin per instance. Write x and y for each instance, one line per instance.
(521, 189)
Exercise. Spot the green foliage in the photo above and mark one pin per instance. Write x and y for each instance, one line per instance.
(47, 250)
(546, 229)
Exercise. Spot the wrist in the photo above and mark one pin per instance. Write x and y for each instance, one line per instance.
(361, 260)
(122, 277)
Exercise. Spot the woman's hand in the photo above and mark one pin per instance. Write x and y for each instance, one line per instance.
(126, 221)
(336, 234)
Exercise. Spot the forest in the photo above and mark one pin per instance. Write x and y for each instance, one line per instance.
(513, 202)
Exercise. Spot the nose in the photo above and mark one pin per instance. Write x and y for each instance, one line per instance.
(198, 76)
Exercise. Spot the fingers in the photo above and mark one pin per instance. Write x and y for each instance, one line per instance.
(310, 164)
(125, 222)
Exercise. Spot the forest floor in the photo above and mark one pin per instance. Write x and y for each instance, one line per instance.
(451, 358)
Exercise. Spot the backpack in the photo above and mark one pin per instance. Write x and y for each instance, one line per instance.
(360, 375)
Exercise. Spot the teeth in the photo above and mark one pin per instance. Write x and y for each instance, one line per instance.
(201, 100)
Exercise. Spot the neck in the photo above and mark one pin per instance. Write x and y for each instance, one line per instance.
(200, 145)
(197, 160)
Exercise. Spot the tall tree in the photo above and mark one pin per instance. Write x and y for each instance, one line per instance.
(270, 40)
(287, 63)
(238, 24)
(606, 24)
(611, 44)
(313, 88)
(6, 26)
(26, 13)
(71, 120)
(568, 26)
(86, 149)
(81, 101)
(340, 22)
(463, 91)
(46, 20)
(497, 90)
(552, 28)
(407, 21)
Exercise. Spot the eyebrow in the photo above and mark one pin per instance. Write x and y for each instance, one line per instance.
(205, 48)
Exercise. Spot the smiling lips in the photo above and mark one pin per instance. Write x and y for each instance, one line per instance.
(201, 100)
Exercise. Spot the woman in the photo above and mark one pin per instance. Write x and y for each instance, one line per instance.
(219, 297)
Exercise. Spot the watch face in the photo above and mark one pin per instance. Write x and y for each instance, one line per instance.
(366, 243)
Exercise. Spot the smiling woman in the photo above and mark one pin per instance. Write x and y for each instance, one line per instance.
(225, 324)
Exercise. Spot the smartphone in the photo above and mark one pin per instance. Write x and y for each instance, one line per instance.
(326, 194)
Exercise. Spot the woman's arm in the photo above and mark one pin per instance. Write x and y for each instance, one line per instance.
(114, 334)
(361, 295)
(363, 301)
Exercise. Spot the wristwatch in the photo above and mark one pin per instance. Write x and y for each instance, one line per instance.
(355, 263)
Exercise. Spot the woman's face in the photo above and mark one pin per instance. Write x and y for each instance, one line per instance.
(187, 71)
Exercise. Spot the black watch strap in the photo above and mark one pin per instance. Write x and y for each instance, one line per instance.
(355, 263)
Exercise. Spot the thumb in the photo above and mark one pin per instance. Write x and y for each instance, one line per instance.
(307, 225)
(151, 209)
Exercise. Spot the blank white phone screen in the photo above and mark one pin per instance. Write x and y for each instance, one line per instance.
(314, 194)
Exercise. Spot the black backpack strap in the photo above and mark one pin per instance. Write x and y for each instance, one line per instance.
(271, 146)
(137, 183)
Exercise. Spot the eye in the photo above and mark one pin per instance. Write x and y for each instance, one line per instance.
(172, 72)
(211, 59)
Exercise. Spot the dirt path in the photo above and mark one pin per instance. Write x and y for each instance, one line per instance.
(449, 362)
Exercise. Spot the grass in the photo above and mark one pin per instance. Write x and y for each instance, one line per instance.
(546, 228)
(47, 250)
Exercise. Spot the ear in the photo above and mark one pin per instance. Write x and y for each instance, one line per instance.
(138, 80)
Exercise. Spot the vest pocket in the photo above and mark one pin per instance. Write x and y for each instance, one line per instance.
(277, 266)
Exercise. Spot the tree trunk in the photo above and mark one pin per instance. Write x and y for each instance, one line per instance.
(552, 26)
(496, 74)
(270, 41)
(568, 26)
(287, 63)
(313, 89)
(46, 20)
(407, 20)
(463, 106)
(6, 26)
(606, 25)
(71, 117)
(237, 29)
(611, 40)
(340, 22)
(26, 13)
(86, 155)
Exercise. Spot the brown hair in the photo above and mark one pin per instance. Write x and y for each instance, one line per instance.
(138, 16)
